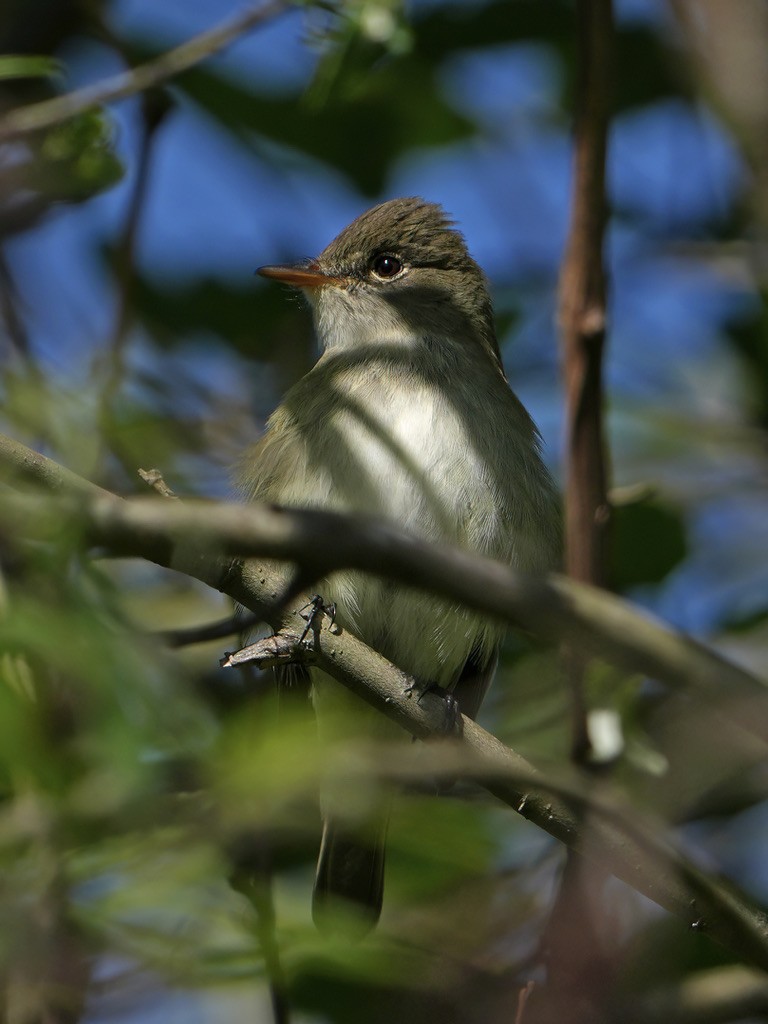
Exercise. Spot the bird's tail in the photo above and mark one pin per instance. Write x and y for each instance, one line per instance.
(350, 875)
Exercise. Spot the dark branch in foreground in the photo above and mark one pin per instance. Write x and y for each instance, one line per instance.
(197, 537)
(210, 631)
(200, 538)
(190, 536)
(626, 844)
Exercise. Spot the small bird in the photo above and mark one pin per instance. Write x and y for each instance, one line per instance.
(407, 415)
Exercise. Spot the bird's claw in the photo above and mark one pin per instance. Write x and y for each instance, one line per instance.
(452, 722)
(317, 606)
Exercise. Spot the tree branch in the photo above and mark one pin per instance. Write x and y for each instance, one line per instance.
(322, 542)
(622, 845)
(48, 113)
(154, 108)
(582, 323)
(19, 464)
(587, 511)
(582, 304)
(189, 635)
(196, 537)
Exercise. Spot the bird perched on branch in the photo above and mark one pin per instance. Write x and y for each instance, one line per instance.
(407, 415)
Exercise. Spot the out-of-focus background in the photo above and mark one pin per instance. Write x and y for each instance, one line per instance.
(134, 334)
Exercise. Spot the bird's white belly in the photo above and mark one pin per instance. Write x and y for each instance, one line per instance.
(416, 465)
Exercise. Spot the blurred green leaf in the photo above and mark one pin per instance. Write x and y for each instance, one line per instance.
(451, 27)
(395, 107)
(252, 319)
(648, 541)
(28, 66)
(70, 162)
(527, 706)
(133, 776)
(649, 68)
(77, 158)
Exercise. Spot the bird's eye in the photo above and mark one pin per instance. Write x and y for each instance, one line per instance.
(386, 266)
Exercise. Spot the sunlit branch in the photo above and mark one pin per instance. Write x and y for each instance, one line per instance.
(552, 608)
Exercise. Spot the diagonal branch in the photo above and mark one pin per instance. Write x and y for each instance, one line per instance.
(620, 843)
(48, 113)
(553, 608)
(197, 537)
(624, 841)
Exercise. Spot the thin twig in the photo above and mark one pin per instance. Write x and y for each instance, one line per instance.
(22, 465)
(154, 108)
(259, 888)
(582, 321)
(582, 968)
(154, 478)
(583, 303)
(522, 999)
(154, 72)
(210, 631)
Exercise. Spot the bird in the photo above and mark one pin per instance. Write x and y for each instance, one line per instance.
(406, 415)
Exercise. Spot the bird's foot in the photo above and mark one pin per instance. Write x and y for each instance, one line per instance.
(452, 721)
(317, 608)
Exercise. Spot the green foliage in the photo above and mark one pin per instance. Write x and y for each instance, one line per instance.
(136, 780)
(379, 111)
(76, 159)
(648, 542)
(18, 65)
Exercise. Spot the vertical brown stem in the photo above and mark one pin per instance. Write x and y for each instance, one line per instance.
(581, 968)
(582, 324)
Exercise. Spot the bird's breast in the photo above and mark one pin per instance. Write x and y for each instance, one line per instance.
(410, 454)
(448, 461)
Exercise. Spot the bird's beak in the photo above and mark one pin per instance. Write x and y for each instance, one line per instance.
(301, 276)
